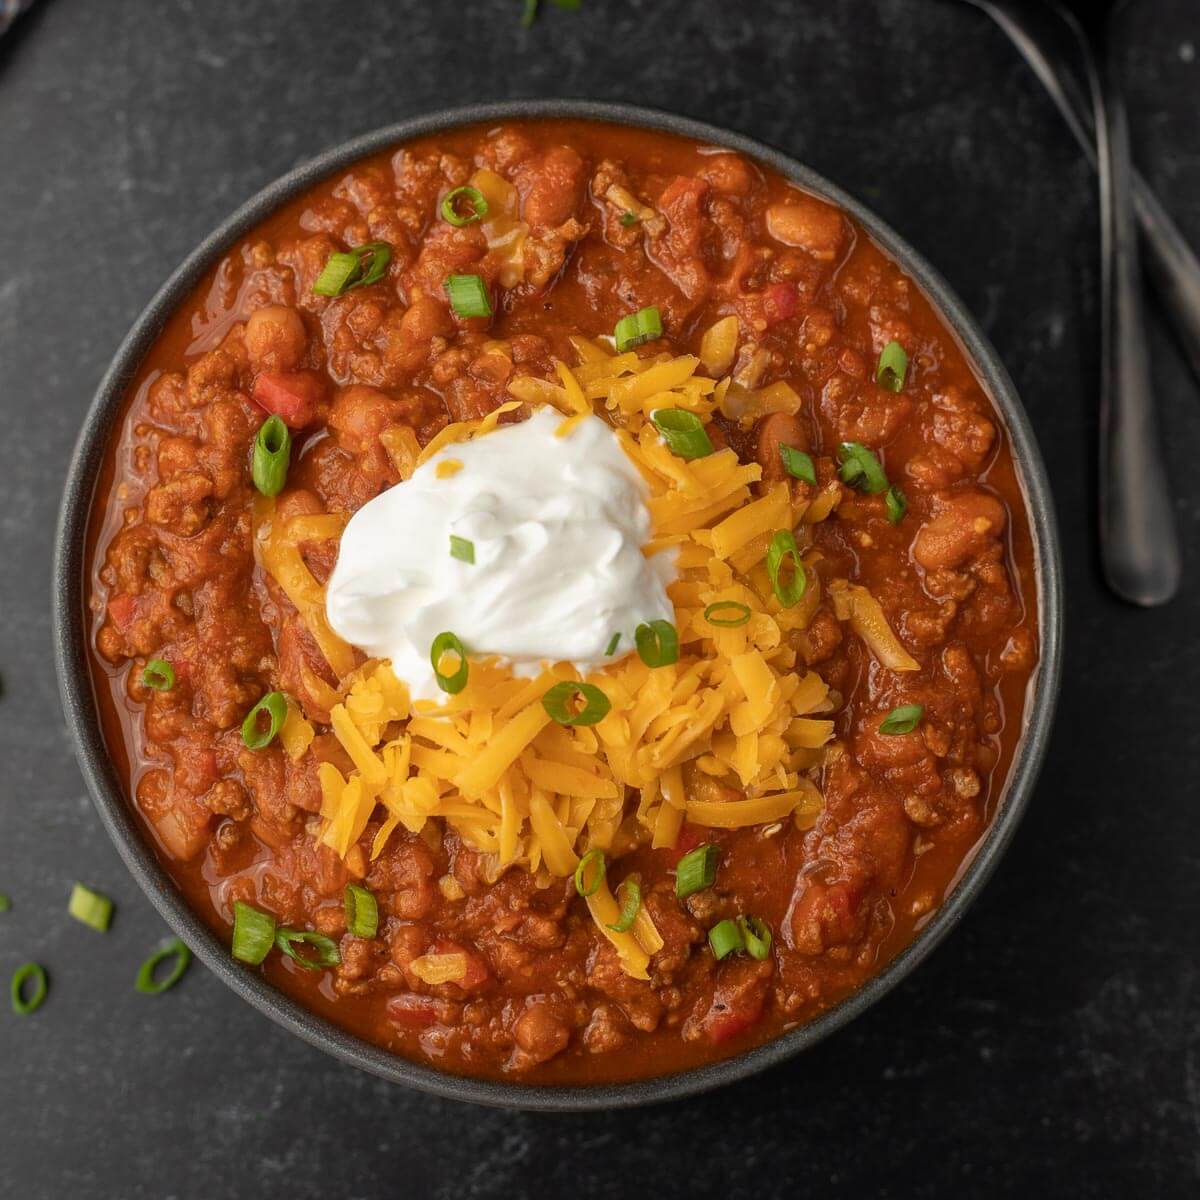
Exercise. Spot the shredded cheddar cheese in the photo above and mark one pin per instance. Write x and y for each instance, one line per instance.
(490, 762)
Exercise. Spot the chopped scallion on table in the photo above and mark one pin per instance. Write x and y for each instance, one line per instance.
(90, 907)
(28, 999)
(172, 950)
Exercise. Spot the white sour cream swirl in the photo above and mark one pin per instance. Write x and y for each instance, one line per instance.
(557, 526)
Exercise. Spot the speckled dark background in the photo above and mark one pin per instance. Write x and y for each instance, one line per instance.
(1051, 1047)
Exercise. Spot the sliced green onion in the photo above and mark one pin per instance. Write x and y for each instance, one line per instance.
(643, 326)
(860, 468)
(22, 1004)
(145, 981)
(469, 295)
(629, 218)
(449, 643)
(90, 907)
(725, 937)
(612, 645)
(696, 870)
(477, 206)
(380, 255)
(683, 432)
(798, 464)
(326, 948)
(530, 14)
(902, 720)
(783, 546)
(897, 504)
(159, 675)
(362, 911)
(253, 933)
(5, 903)
(272, 456)
(738, 614)
(629, 894)
(359, 267)
(657, 643)
(339, 273)
(757, 936)
(893, 366)
(562, 699)
(463, 549)
(588, 886)
(274, 706)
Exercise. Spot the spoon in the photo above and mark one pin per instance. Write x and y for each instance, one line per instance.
(1139, 548)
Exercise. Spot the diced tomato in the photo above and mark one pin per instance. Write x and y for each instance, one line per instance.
(779, 302)
(477, 968)
(413, 1011)
(123, 610)
(292, 395)
(738, 1001)
(690, 836)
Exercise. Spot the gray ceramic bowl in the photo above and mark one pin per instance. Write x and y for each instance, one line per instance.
(80, 707)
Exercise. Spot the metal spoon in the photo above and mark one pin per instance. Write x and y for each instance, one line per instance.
(1138, 544)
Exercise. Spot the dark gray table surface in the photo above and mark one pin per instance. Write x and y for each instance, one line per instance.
(1051, 1047)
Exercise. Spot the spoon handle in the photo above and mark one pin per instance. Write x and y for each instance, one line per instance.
(1173, 268)
(1138, 543)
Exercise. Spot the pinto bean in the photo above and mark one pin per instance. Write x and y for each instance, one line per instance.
(775, 430)
(963, 525)
(808, 224)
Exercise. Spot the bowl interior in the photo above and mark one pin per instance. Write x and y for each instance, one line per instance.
(106, 789)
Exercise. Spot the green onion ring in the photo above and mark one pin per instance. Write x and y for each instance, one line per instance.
(783, 546)
(145, 981)
(158, 675)
(902, 720)
(327, 950)
(449, 643)
(581, 871)
(725, 937)
(696, 870)
(272, 456)
(23, 1005)
(254, 737)
(742, 612)
(253, 933)
(893, 367)
(657, 643)
(92, 908)
(475, 198)
(757, 936)
(631, 891)
(559, 699)
(683, 432)
(362, 911)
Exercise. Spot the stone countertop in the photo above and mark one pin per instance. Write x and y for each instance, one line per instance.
(1051, 1046)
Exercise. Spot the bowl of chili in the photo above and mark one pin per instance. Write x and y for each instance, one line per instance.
(834, 917)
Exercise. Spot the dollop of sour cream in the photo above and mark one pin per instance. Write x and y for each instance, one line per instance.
(556, 526)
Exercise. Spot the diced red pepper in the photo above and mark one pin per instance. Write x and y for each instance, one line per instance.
(292, 395)
(412, 1011)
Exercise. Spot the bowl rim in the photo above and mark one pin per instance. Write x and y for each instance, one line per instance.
(81, 713)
